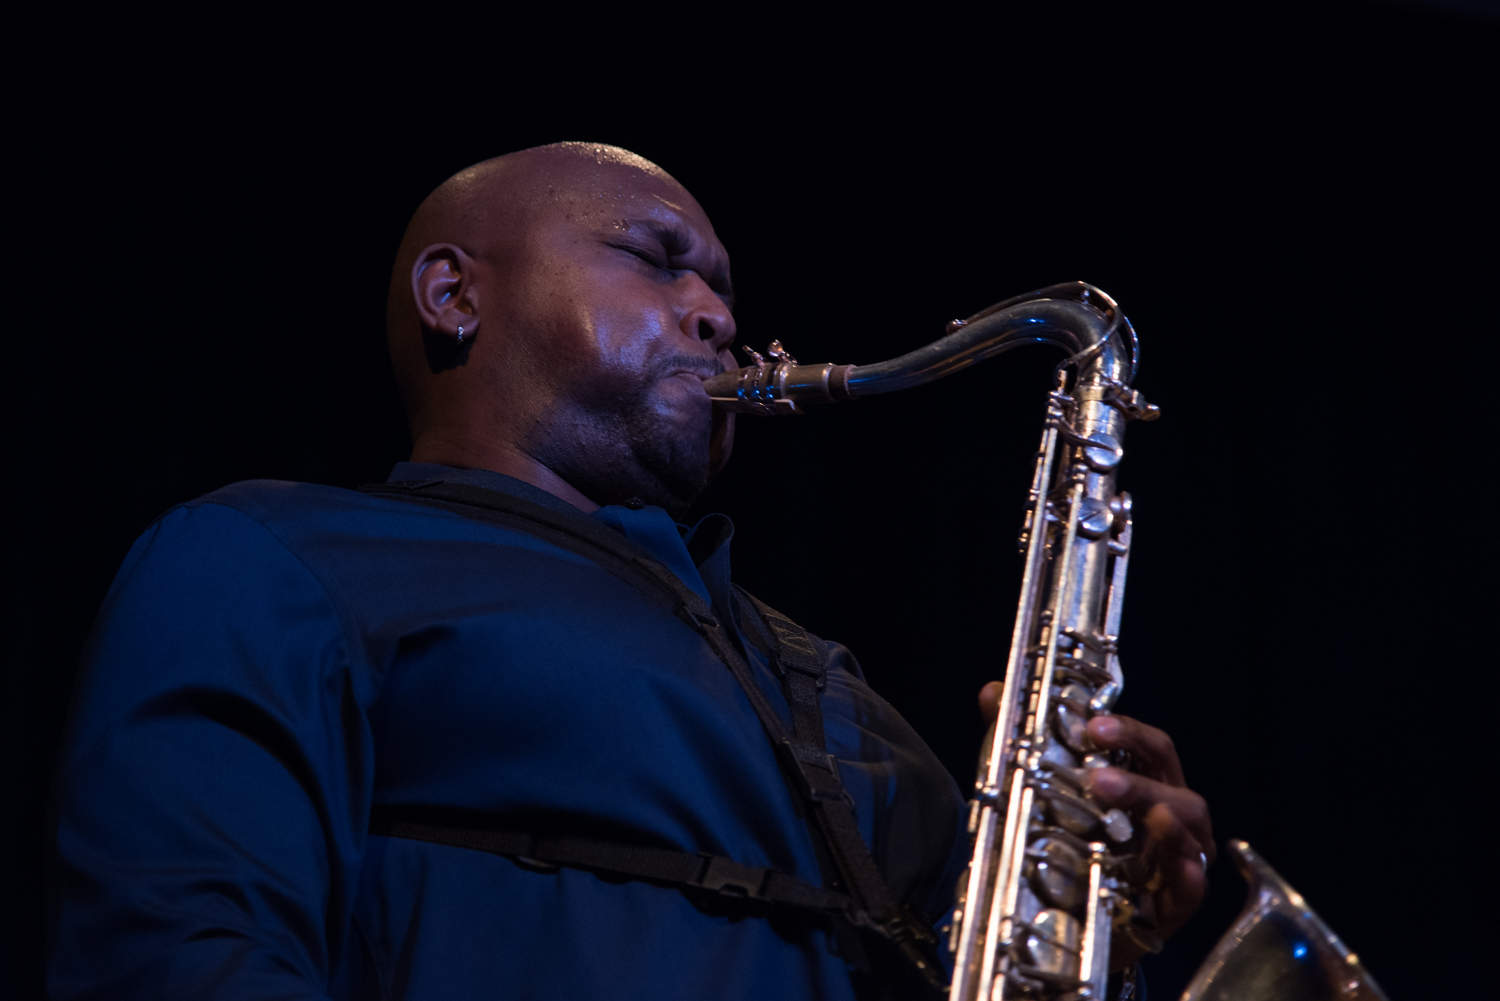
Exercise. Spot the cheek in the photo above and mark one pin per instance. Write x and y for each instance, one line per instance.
(547, 317)
(569, 311)
(622, 337)
(629, 345)
(598, 332)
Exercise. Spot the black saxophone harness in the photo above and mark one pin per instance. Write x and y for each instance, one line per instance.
(859, 898)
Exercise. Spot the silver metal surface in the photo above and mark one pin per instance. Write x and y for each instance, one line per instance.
(1022, 928)
(1062, 671)
(1054, 871)
(1053, 879)
(1093, 964)
(1074, 316)
(1278, 949)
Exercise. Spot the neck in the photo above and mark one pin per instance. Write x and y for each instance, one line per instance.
(497, 457)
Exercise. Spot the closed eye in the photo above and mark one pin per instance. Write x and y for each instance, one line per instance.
(718, 281)
(655, 260)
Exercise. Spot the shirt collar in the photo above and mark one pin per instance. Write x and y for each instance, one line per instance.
(698, 556)
(428, 472)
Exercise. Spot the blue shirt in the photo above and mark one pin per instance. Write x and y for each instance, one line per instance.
(276, 659)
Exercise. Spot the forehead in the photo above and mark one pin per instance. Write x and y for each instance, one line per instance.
(616, 192)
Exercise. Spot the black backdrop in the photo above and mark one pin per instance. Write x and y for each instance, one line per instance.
(1295, 208)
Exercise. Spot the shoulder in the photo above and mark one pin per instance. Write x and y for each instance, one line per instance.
(207, 591)
(366, 552)
(235, 535)
(245, 523)
(263, 567)
(257, 534)
(307, 516)
(315, 521)
(282, 502)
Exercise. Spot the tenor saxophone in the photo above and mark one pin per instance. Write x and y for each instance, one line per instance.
(1053, 880)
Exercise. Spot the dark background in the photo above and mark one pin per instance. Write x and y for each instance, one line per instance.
(1295, 206)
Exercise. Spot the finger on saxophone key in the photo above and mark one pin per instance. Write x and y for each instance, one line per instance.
(1108, 784)
(989, 700)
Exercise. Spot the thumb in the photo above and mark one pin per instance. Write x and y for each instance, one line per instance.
(989, 700)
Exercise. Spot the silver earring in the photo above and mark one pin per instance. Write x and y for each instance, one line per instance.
(460, 336)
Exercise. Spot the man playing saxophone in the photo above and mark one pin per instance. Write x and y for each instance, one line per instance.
(503, 726)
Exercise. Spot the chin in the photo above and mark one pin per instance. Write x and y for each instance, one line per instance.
(676, 487)
(676, 472)
(674, 449)
(646, 449)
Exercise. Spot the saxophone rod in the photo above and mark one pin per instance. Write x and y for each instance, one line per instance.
(1074, 316)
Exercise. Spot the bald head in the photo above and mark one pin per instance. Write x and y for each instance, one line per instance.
(485, 210)
(593, 297)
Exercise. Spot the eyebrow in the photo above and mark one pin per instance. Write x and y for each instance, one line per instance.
(676, 241)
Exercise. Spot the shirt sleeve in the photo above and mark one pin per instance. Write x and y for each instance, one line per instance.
(213, 789)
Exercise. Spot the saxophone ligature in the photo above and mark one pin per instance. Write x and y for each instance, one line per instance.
(1052, 879)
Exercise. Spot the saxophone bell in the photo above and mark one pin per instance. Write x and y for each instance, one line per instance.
(1278, 948)
(1053, 878)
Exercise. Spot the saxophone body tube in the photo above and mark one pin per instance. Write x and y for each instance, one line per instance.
(1053, 879)
(1037, 909)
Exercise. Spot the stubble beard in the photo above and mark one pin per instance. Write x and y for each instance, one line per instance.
(627, 448)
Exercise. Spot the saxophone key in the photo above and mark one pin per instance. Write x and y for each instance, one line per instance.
(1051, 942)
(1104, 699)
(1071, 721)
(1117, 825)
(1058, 872)
(1095, 519)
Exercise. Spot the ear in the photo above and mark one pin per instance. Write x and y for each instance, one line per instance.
(443, 286)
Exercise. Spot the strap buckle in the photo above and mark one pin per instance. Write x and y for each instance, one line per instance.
(816, 671)
(817, 771)
(699, 622)
(730, 879)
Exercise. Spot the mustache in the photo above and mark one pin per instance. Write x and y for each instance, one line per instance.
(697, 364)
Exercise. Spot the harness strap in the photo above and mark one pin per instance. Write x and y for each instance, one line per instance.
(803, 752)
(580, 535)
(803, 676)
(711, 873)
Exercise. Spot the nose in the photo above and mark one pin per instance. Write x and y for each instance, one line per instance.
(705, 317)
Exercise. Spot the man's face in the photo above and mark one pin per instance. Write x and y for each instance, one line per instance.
(622, 292)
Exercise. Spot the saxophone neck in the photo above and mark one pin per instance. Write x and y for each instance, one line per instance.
(1073, 316)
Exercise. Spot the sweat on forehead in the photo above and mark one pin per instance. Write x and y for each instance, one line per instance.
(510, 189)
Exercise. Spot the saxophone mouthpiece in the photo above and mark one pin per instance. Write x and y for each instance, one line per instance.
(775, 385)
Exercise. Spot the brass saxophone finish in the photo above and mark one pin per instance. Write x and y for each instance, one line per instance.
(1053, 879)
